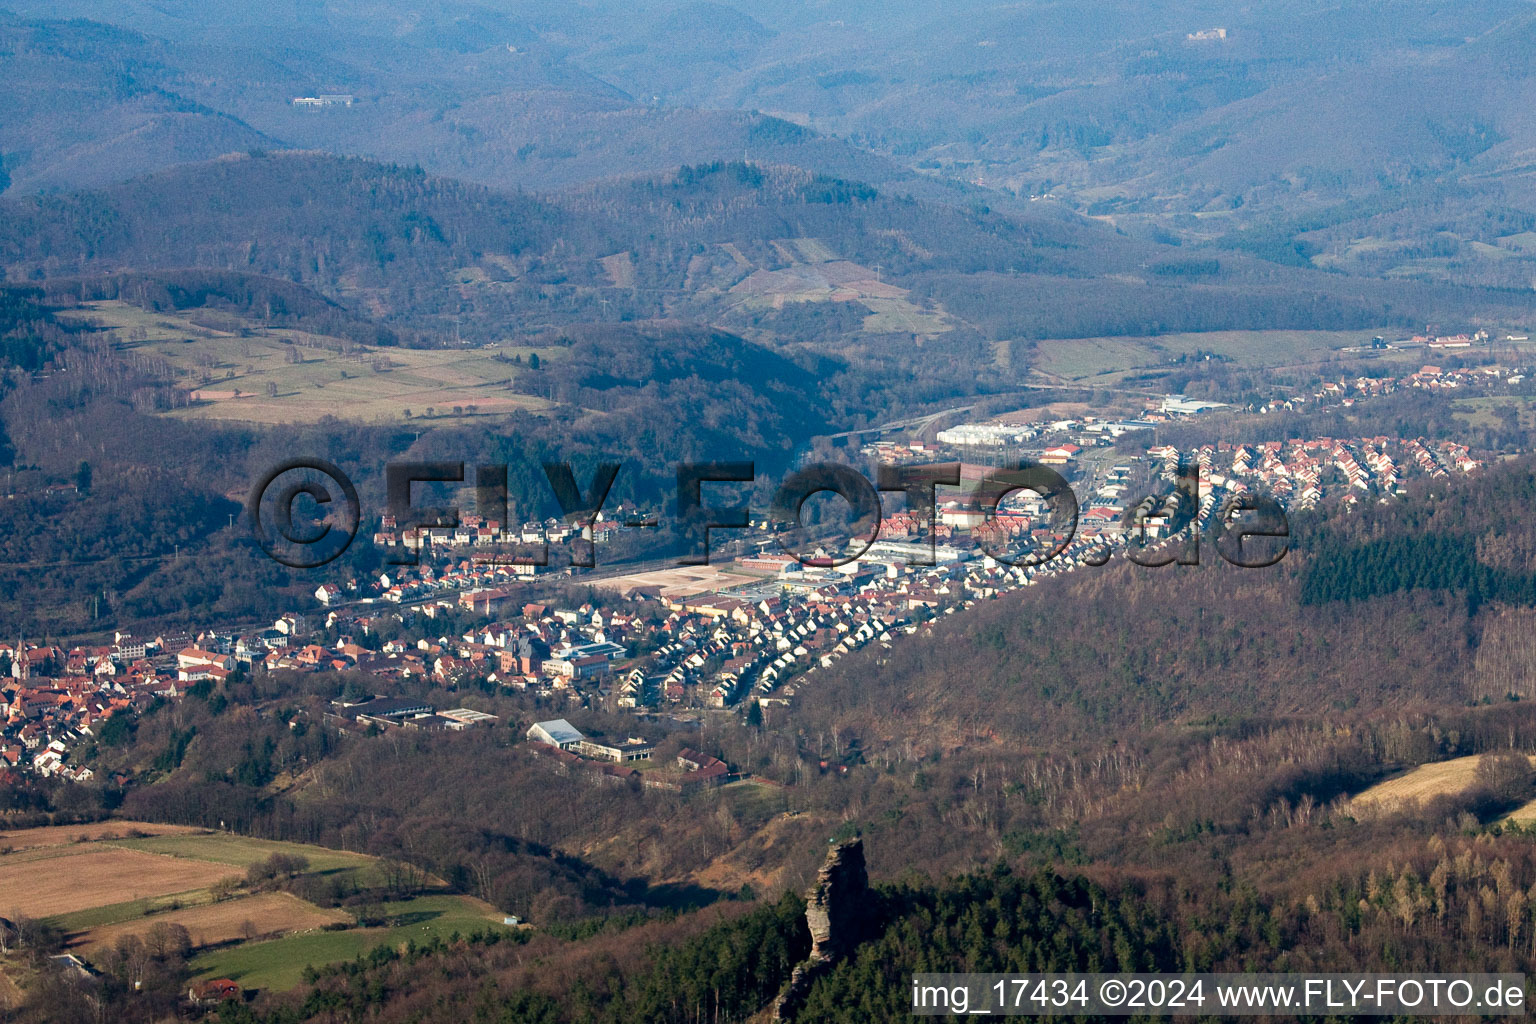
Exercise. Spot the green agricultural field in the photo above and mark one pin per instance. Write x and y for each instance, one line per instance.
(1523, 242)
(1106, 360)
(899, 315)
(242, 851)
(1484, 411)
(273, 375)
(100, 887)
(132, 910)
(813, 250)
(278, 964)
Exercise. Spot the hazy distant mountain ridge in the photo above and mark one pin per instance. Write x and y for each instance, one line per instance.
(88, 104)
(472, 94)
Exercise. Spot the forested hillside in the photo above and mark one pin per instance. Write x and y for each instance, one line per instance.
(924, 300)
(123, 114)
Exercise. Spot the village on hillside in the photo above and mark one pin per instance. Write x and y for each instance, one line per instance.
(743, 636)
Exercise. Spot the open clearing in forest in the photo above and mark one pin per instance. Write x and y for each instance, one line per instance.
(1427, 781)
(258, 374)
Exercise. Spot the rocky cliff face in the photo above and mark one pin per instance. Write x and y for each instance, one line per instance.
(832, 913)
(833, 904)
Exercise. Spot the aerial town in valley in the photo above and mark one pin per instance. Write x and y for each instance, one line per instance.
(502, 518)
(746, 634)
(726, 638)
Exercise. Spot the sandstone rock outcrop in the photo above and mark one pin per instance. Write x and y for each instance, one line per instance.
(833, 908)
